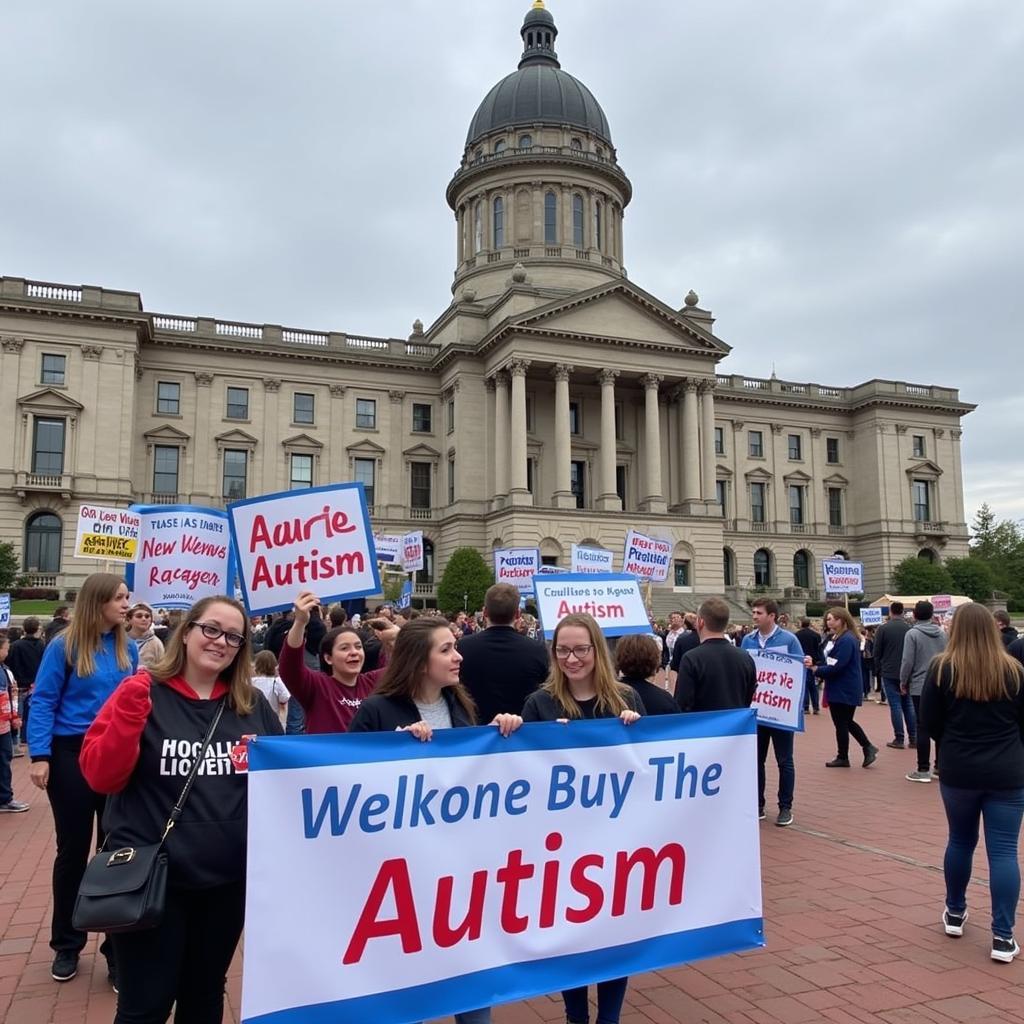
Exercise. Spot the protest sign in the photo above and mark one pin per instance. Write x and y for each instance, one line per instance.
(842, 577)
(412, 551)
(109, 533)
(493, 869)
(5, 610)
(871, 616)
(389, 547)
(779, 698)
(613, 599)
(942, 603)
(647, 557)
(516, 566)
(317, 539)
(184, 556)
(584, 559)
(405, 598)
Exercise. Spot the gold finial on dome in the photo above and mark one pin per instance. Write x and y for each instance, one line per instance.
(538, 5)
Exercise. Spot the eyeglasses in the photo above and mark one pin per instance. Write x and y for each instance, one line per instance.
(580, 651)
(212, 632)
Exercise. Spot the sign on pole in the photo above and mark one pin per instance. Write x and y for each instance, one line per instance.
(317, 539)
(871, 616)
(494, 869)
(586, 559)
(184, 556)
(842, 577)
(647, 557)
(517, 567)
(412, 551)
(110, 533)
(5, 610)
(405, 598)
(389, 547)
(779, 697)
(942, 603)
(613, 599)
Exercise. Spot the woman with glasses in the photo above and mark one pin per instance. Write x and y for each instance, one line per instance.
(140, 629)
(140, 750)
(582, 684)
(81, 667)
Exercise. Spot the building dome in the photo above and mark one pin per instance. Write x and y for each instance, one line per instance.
(539, 91)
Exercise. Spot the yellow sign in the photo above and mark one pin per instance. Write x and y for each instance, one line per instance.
(97, 545)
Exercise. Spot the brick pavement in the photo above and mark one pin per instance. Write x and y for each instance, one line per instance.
(852, 897)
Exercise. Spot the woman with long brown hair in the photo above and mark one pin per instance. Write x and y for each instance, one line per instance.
(140, 750)
(972, 705)
(80, 669)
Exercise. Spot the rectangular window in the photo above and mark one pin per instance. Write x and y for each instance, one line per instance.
(364, 471)
(451, 415)
(577, 478)
(796, 505)
(620, 484)
(238, 404)
(757, 503)
(419, 484)
(48, 447)
(366, 414)
(168, 398)
(529, 414)
(531, 475)
(918, 446)
(682, 572)
(451, 481)
(236, 466)
(720, 494)
(53, 369)
(618, 422)
(719, 440)
(302, 471)
(421, 418)
(550, 219)
(755, 444)
(835, 506)
(795, 448)
(165, 468)
(575, 422)
(303, 407)
(922, 502)
(832, 449)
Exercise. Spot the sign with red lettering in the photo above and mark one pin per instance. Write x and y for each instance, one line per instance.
(412, 551)
(516, 566)
(480, 869)
(317, 539)
(613, 599)
(647, 557)
(779, 698)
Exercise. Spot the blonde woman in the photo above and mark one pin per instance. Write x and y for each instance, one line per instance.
(80, 669)
(140, 629)
(972, 705)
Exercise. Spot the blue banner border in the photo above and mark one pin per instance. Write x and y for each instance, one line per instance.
(592, 577)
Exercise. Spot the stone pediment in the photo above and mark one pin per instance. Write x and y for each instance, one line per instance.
(50, 400)
(836, 480)
(236, 438)
(758, 474)
(166, 435)
(365, 447)
(926, 468)
(723, 472)
(421, 451)
(798, 476)
(302, 441)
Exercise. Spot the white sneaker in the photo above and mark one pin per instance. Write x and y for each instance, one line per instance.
(13, 807)
(1004, 950)
(953, 923)
(919, 776)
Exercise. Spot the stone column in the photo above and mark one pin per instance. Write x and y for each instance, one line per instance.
(655, 499)
(501, 435)
(608, 500)
(707, 437)
(691, 450)
(518, 492)
(563, 496)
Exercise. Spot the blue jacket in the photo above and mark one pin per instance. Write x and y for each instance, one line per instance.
(844, 683)
(781, 639)
(65, 704)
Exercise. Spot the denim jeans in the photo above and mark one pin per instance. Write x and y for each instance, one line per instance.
(1000, 811)
(295, 721)
(782, 741)
(810, 690)
(901, 708)
(610, 996)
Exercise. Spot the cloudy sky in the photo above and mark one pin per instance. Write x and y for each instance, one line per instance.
(839, 180)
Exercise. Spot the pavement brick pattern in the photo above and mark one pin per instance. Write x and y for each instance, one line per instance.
(852, 898)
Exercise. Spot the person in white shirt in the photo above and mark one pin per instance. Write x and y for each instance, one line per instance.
(268, 682)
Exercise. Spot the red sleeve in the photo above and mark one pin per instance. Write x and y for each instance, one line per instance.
(303, 683)
(111, 747)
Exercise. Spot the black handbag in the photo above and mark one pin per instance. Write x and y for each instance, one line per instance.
(124, 890)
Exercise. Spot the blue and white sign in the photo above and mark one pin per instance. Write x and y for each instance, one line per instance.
(405, 599)
(475, 872)
(613, 599)
(5, 610)
(779, 697)
(647, 557)
(389, 547)
(871, 616)
(842, 577)
(585, 559)
(517, 566)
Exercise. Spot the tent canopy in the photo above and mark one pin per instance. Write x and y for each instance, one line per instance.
(908, 602)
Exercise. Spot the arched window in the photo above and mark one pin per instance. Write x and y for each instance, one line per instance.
(550, 218)
(43, 542)
(597, 223)
(499, 222)
(927, 555)
(525, 141)
(576, 143)
(426, 574)
(499, 146)
(762, 568)
(478, 226)
(478, 153)
(577, 220)
(840, 554)
(802, 570)
(728, 567)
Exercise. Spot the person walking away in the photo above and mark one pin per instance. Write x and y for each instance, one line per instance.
(23, 660)
(60, 621)
(867, 658)
(972, 705)
(716, 675)
(9, 721)
(637, 660)
(922, 643)
(140, 629)
(687, 641)
(889, 640)
(810, 644)
(270, 684)
(1006, 631)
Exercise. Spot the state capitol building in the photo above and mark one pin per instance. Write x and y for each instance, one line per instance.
(552, 401)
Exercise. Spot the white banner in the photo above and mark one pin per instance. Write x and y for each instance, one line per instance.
(613, 599)
(648, 557)
(942, 603)
(871, 616)
(584, 559)
(842, 577)
(5, 610)
(516, 566)
(317, 539)
(412, 551)
(779, 697)
(389, 547)
(431, 878)
(184, 556)
(110, 533)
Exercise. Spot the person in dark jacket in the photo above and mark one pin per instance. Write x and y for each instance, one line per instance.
(500, 667)
(60, 621)
(889, 640)
(637, 658)
(810, 643)
(687, 641)
(924, 641)
(1006, 632)
(717, 675)
(24, 659)
(972, 705)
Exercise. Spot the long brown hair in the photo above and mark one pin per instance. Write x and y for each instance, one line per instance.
(408, 662)
(237, 675)
(83, 639)
(975, 658)
(847, 623)
(611, 694)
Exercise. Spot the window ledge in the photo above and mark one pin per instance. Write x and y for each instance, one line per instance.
(368, 430)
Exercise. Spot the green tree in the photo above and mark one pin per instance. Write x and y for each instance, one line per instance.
(10, 571)
(971, 576)
(917, 577)
(464, 582)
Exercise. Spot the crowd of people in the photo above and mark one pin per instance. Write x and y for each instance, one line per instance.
(113, 698)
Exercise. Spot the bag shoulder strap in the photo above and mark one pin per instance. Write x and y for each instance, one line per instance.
(200, 757)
